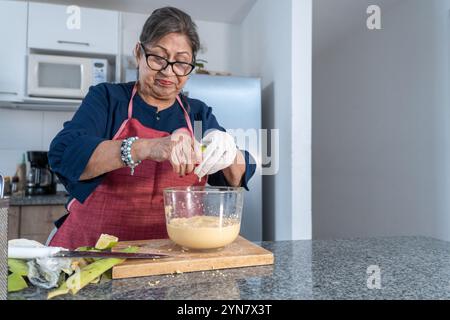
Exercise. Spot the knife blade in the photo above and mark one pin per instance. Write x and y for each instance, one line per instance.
(58, 252)
(119, 255)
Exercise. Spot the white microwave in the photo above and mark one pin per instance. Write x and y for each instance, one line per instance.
(52, 76)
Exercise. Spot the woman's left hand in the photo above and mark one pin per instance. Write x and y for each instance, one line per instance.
(221, 152)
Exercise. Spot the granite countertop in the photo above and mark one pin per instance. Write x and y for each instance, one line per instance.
(60, 198)
(410, 268)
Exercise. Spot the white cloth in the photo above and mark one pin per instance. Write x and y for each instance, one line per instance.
(43, 272)
(220, 153)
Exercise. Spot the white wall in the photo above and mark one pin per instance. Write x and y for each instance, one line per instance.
(270, 43)
(381, 127)
(301, 119)
(22, 131)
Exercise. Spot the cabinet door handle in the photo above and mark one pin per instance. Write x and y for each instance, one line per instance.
(9, 92)
(74, 42)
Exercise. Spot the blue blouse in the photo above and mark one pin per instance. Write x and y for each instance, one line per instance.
(100, 116)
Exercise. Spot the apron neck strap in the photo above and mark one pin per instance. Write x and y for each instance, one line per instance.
(130, 104)
(186, 115)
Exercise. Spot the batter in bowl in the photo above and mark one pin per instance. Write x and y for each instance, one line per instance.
(203, 232)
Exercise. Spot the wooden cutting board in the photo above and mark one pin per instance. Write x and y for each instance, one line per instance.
(241, 253)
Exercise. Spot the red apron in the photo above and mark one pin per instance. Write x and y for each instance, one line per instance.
(128, 207)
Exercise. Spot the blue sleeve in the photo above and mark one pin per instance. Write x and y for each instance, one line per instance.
(209, 122)
(218, 179)
(74, 145)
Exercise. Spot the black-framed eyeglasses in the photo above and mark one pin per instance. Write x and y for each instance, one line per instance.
(158, 63)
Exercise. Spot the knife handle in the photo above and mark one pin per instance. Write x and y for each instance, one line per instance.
(32, 252)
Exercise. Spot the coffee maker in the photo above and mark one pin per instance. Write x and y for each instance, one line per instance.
(40, 179)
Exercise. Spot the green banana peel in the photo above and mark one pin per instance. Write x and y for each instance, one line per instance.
(89, 274)
(96, 280)
(16, 282)
(87, 249)
(58, 292)
(18, 266)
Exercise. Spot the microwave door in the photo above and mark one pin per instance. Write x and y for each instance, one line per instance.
(56, 77)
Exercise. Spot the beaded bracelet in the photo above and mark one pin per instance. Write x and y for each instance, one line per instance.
(125, 153)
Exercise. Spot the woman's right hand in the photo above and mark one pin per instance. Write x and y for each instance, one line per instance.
(179, 149)
(158, 149)
(185, 152)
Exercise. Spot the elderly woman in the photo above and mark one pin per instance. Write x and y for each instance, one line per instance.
(127, 142)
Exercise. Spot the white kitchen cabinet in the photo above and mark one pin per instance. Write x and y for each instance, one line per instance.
(57, 27)
(13, 36)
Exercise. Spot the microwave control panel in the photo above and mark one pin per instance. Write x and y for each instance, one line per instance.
(99, 71)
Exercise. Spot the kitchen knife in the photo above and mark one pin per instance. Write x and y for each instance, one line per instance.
(57, 252)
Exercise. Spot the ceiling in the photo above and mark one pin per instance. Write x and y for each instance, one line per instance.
(333, 19)
(229, 11)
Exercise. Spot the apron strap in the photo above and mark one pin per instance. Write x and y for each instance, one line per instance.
(186, 117)
(130, 104)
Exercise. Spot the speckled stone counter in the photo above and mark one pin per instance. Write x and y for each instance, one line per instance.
(22, 200)
(410, 268)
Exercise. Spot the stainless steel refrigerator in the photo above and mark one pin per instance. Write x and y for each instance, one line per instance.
(236, 103)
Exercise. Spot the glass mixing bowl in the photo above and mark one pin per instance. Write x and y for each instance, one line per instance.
(202, 218)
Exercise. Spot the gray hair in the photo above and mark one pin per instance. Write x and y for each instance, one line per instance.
(170, 20)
